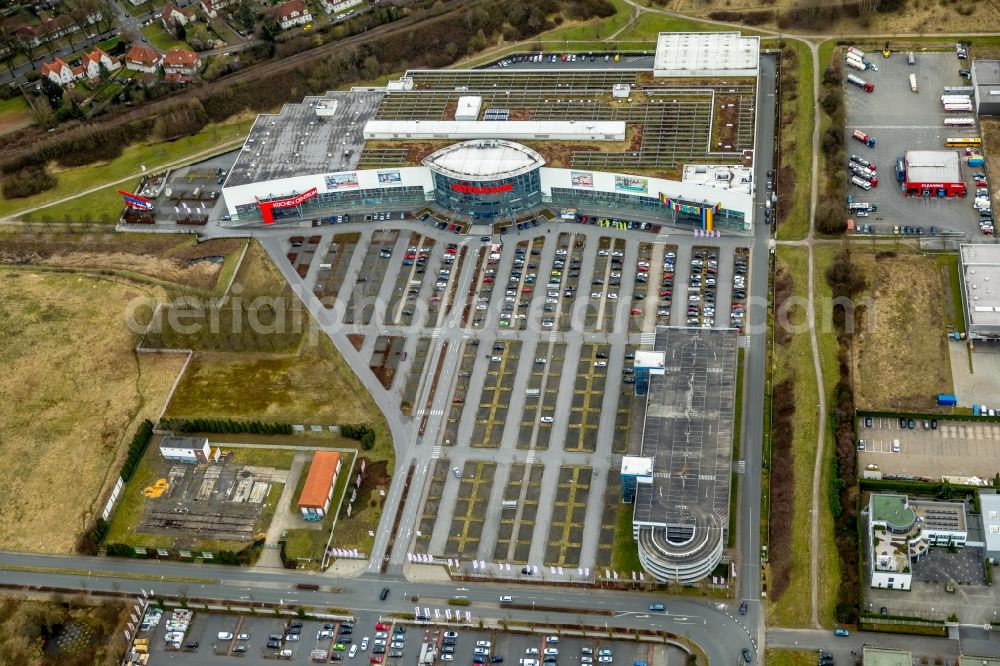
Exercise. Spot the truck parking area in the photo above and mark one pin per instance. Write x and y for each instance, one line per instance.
(900, 119)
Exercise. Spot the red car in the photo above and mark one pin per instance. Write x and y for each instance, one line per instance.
(377, 659)
(381, 627)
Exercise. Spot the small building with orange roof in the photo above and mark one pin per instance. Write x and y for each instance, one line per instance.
(314, 502)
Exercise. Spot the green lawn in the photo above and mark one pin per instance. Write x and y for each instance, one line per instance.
(955, 316)
(737, 431)
(650, 24)
(793, 608)
(103, 205)
(213, 138)
(161, 39)
(778, 657)
(278, 458)
(625, 553)
(15, 114)
(796, 149)
(594, 29)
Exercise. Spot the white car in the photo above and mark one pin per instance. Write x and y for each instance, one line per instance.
(484, 644)
(600, 364)
(531, 651)
(458, 475)
(613, 295)
(595, 294)
(364, 643)
(602, 253)
(353, 651)
(552, 640)
(447, 657)
(481, 651)
(506, 599)
(547, 419)
(291, 638)
(554, 652)
(225, 636)
(605, 659)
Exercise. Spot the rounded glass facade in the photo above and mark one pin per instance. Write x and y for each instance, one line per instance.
(487, 200)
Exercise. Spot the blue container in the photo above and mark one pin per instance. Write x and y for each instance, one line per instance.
(975, 410)
(947, 399)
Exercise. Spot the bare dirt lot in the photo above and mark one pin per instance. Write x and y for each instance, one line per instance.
(169, 258)
(73, 394)
(901, 356)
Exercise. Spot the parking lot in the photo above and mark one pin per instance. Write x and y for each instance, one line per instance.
(220, 639)
(953, 448)
(900, 120)
(537, 405)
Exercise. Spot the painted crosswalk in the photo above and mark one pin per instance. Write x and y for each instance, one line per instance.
(530, 460)
(436, 453)
(741, 466)
(436, 332)
(647, 338)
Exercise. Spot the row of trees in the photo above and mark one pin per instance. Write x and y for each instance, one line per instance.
(226, 426)
(81, 13)
(362, 433)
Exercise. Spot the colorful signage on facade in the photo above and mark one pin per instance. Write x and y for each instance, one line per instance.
(581, 179)
(340, 181)
(482, 189)
(389, 178)
(632, 184)
(267, 207)
(706, 212)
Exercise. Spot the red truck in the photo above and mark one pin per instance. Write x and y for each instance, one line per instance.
(864, 138)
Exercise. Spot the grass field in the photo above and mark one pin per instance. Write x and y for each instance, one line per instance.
(161, 39)
(15, 114)
(75, 394)
(796, 148)
(778, 657)
(793, 608)
(153, 156)
(908, 292)
(103, 205)
(625, 552)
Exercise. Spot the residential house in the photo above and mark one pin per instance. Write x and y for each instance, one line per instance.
(181, 65)
(333, 7)
(143, 59)
(53, 27)
(58, 72)
(212, 7)
(292, 13)
(173, 15)
(62, 74)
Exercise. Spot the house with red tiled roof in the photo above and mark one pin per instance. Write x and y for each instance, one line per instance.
(292, 13)
(181, 65)
(173, 15)
(59, 72)
(212, 7)
(143, 59)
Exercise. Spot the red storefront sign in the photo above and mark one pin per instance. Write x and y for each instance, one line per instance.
(267, 207)
(479, 189)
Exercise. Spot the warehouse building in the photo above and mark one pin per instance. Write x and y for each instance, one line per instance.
(980, 271)
(498, 146)
(681, 482)
(186, 449)
(989, 502)
(986, 87)
(934, 173)
(314, 502)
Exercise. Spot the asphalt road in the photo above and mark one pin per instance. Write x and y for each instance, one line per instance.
(713, 628)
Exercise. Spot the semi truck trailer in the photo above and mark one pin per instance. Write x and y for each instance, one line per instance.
(864, 138)
(861, 83)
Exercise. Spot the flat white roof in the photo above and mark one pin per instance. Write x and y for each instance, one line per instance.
(654, 361)
(637, 465)
(468, 105)
(989, 503)
(933, 166)
(484, 160)
(706, 53)
(591, 130)
(733, 177)
(981, 281)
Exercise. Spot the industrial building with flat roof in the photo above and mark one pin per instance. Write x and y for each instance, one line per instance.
(986, 86)
(934, 173)
(980, 271)
(706, 54)
(989, 503)
(681, 513)
(600, 141)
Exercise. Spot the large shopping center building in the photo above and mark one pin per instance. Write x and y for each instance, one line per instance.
(673, 141)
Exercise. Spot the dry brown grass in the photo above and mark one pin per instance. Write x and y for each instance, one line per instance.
(901, 360)
(990, 128)
(163, 257)
(73, 394)
(921, 16)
